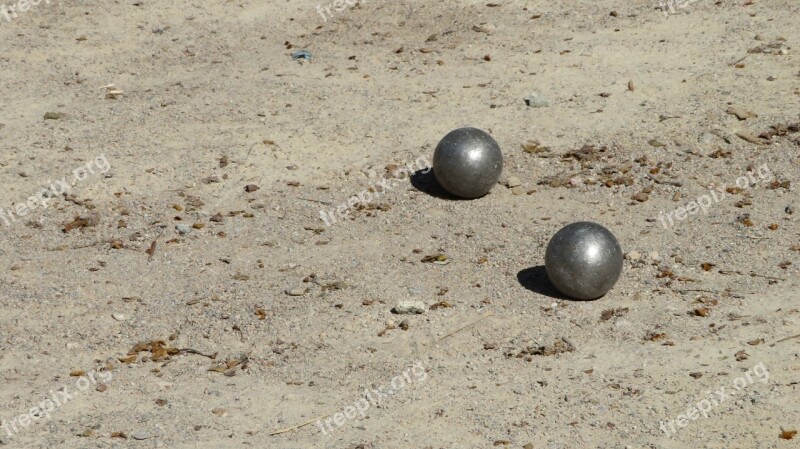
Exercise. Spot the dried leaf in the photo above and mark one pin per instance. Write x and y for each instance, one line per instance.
(655, 336)
(81, 222)
(586, 155)
(780, 185)
(152, 250)
(158, 349)
(441, 305)
(720, 153)
(612, 313)
(534, 147)
(787, 434)
(438, 258)
(558, 347)
(666, 273)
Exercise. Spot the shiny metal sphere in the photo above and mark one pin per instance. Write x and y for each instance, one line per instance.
(467, 162)
(583, 260)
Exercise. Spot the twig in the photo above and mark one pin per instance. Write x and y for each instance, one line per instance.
(788, 338)
(488, 314)
(658, 180)
(740, 60)
(195, 351)
(327, 203)
(289, 429)
(756, 275)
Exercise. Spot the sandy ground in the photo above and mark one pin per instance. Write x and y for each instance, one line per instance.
(146, 291)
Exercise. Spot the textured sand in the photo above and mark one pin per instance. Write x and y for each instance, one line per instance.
(212, 102)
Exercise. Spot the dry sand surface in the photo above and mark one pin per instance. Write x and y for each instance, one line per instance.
(183, 291)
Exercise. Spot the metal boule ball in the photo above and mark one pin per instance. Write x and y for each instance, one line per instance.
(583, 260)
(467, 162)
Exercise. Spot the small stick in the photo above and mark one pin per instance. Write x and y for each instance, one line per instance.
(289, 429)
(327, 203)
(788, 338)
(765, 277)
(740, 60)
(488, 314)
(195, 351)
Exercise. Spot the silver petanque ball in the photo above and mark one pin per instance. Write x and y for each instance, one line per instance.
(467, 162)
(583, 260)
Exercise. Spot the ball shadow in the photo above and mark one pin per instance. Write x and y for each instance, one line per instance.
(425, 181)
(535, 279)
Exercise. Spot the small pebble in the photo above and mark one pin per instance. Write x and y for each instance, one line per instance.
(119, 316)
(299, 291)
(514, 182)
(707, 138)
(183, 229)
(633, 255)
(536, 100)
(142, 435)
(54, 115)
(409, 307)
